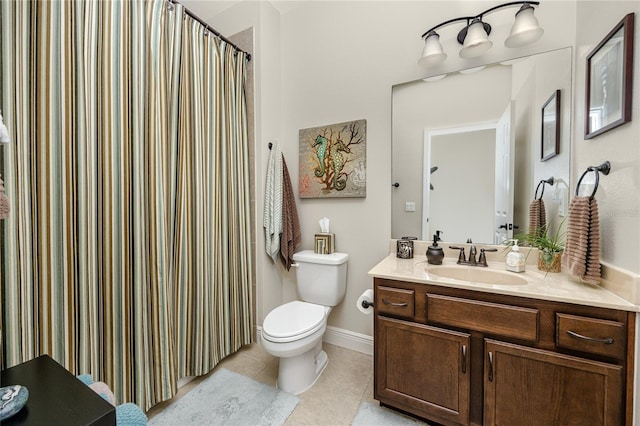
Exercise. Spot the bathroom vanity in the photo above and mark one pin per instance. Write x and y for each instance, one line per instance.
(531, 349)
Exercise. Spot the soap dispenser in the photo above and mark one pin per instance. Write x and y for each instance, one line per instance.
(435, 254)
(515, 258)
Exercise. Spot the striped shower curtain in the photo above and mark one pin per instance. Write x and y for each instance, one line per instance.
(126, 254)
(212, 199)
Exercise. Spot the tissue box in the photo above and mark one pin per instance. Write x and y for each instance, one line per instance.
(325, 243)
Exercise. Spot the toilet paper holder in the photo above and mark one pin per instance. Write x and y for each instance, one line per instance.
(365, 301)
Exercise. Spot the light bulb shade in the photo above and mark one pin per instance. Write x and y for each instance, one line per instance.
(476, 41)
(525, 29)
(432, 54)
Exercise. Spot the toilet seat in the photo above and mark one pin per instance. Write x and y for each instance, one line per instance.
(293, 321)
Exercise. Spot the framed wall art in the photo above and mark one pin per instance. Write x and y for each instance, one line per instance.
(333, 160)
(550, 143)
(609, 80)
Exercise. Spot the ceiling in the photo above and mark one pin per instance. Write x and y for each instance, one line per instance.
(207, 9)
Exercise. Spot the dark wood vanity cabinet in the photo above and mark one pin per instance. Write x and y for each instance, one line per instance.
(461, 357)
(536, 387)
(424, 369)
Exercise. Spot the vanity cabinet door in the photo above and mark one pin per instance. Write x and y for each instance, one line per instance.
(527, 386)
(423, 370)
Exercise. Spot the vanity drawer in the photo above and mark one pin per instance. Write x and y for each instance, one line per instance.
(395, 301)
(493, 318)
(592, 335)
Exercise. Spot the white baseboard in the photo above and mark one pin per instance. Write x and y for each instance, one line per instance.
(343, 338)
(349, 339)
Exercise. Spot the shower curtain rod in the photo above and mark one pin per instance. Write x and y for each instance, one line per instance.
(217, 34)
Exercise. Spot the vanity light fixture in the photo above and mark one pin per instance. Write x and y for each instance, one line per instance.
(474, 37)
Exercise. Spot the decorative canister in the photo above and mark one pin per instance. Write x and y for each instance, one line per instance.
(404, 248)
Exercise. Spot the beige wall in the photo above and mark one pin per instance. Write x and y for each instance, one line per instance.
(619, 193)
(327, 62)
(339, 61)
(534, 81)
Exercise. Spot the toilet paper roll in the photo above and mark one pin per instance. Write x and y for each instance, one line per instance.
(366, 296)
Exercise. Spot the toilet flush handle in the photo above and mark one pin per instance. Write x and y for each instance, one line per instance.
(294, 265)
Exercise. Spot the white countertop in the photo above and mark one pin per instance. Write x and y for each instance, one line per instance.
(556, 287)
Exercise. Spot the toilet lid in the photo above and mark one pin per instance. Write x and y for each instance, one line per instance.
(292, 321)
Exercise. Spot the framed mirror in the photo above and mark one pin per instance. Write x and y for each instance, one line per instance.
(466, 149)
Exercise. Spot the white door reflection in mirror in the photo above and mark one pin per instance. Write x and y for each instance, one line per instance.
(458, 197)
(505, 144)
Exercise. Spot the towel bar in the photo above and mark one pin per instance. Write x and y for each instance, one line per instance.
(603, 168)
(550, 181)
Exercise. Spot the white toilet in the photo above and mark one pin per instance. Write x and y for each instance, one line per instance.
(293, 331)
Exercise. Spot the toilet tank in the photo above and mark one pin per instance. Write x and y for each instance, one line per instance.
(321, 278)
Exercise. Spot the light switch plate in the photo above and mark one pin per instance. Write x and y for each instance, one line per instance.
(563, 201)
(409, 206)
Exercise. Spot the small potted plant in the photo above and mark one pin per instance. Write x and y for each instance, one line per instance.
(550, 246)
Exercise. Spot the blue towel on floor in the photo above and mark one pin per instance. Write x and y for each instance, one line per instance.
(129, 414)
(87, 379)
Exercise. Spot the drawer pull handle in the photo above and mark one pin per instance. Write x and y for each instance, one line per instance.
(491, 366)
(386, 302)
(464, 359)
(607, 341)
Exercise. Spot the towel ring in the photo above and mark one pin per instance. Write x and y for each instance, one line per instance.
(550, 181)
(603, 168)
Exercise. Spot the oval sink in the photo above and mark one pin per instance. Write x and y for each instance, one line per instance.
(476, 274)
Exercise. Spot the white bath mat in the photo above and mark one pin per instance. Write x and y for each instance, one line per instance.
(372, 414)
(228, 398)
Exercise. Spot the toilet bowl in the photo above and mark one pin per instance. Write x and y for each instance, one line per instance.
(293, 331)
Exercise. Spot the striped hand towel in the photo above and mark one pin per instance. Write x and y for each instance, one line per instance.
(537, 216)
(581, 255)
(272, 215)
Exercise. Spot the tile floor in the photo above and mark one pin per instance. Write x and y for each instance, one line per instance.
(333, 400)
